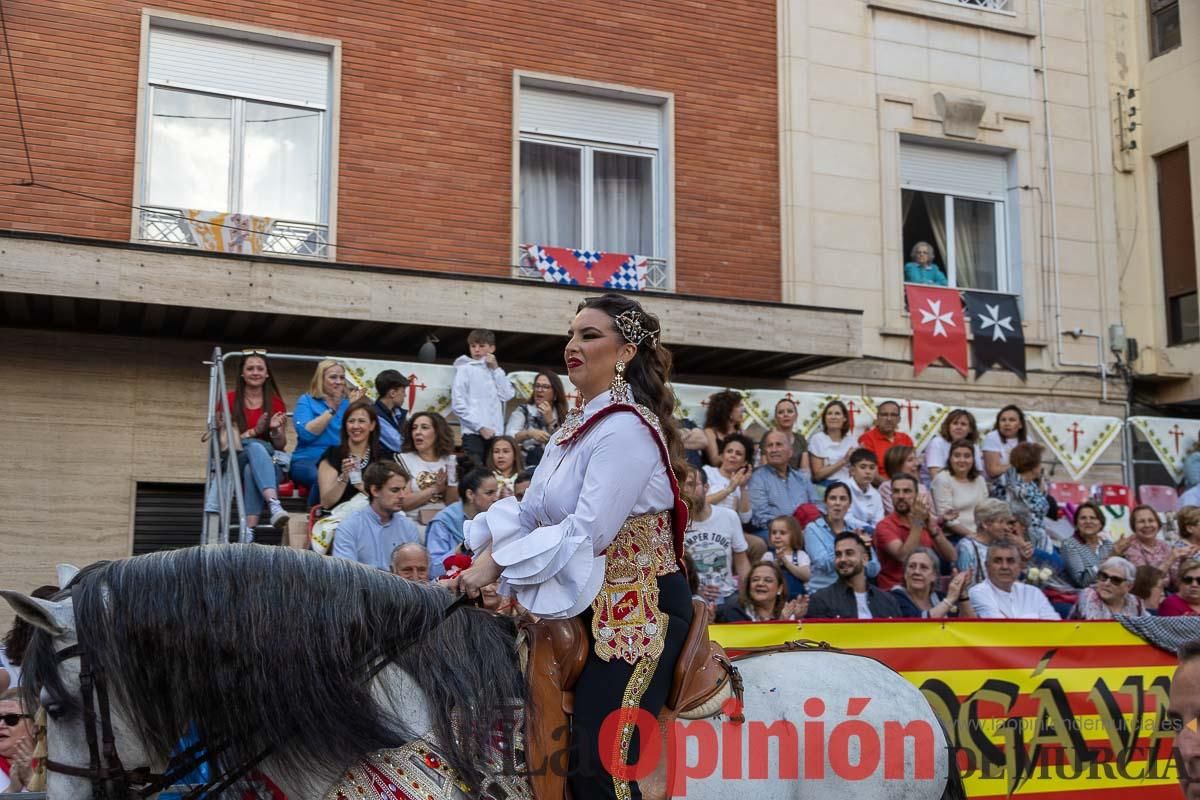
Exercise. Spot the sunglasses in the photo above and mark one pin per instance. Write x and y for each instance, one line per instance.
(1190, 580)
(12, 720)
(1115, 580)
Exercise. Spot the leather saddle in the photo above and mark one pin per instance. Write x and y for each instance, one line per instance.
(703, 679)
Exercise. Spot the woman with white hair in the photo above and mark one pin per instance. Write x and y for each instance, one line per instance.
(1110, 595)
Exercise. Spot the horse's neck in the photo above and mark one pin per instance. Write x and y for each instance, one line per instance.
(397, 693)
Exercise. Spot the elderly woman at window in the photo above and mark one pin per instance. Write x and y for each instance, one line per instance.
(922, 269)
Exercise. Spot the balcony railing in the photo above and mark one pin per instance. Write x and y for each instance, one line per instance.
(658, 274)
(1003, 6)
(282, 238)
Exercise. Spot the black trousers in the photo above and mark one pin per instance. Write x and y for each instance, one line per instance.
(474, 445)
(602, 686)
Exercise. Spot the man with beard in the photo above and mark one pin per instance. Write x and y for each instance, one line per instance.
(851, 597)
(1183, 711)
(1002, 596)
(906, 529)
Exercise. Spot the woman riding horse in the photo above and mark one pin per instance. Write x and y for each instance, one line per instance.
(599, 535)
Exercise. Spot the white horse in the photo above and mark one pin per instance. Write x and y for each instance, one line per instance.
(265, 655)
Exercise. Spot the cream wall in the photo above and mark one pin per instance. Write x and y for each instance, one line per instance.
(857, 74)
(1168, 88)
(83, 419)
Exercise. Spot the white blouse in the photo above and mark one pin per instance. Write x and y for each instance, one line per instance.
(717, 482)
(823, 446)
(551, 544)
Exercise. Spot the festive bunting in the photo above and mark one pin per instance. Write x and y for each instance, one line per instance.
(1076, 439)
(1171, 439)
(428, 384)
(937, 325)
(588, 267)
(920, 419)
(999, 338)
(985, 419)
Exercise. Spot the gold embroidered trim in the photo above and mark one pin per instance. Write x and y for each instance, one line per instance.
(625, 620)
(631, 699)
(417, 770)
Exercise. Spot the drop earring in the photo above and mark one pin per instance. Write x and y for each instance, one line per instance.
(619, 387)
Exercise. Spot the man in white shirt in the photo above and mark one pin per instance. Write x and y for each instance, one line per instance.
(1002, 596)
(866, 504)
(370, 534)
(714, 540)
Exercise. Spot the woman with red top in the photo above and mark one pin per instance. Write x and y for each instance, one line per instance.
(1187, 602)
(262, 435)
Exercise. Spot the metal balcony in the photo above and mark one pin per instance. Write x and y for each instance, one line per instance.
(284, 238)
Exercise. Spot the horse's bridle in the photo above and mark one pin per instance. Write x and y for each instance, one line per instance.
(111, 781)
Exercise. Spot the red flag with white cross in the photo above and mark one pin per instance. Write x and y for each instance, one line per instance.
(937, 326)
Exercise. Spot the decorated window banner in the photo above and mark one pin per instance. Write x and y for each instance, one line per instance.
(1034, 709)
(920, 419)
(1172, 440)
(565, 265)
(1076, 439)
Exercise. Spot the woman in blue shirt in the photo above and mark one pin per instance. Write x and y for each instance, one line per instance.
(819, 536)
(318, 421)
(922, 269)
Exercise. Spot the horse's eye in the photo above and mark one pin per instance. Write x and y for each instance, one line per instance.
(55, 711)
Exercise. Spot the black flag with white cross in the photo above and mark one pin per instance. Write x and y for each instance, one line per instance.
(998, 337)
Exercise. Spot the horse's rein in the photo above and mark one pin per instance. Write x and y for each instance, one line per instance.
(111, 781)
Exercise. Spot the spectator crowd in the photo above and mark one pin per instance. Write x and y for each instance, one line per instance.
(782, 525)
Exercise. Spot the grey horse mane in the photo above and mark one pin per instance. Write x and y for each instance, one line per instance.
(253, 648)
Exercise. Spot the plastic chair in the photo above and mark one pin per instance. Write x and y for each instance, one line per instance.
(286, 489)
(1114, 494)
(1069, 493)
(1162, 499)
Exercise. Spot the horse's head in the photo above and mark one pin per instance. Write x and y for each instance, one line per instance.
(53, 654)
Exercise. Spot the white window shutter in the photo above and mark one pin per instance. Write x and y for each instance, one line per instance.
(590, 117)
(240, 68)
(952, 170)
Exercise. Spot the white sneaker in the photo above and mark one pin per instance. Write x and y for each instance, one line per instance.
(279, 517)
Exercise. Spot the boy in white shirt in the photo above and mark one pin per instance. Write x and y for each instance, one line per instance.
(478, 394)
(866, 504)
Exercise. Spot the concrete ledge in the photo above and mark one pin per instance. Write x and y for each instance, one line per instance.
(112, 271)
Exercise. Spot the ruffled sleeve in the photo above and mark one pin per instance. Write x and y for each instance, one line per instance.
(556, 569)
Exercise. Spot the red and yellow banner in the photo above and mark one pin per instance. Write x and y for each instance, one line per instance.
(1038, 710)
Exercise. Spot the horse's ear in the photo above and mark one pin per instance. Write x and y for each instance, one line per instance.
(66, 574)
(49, 615)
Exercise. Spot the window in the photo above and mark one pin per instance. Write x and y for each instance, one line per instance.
(1178, 245)
(956, 201)
(591, 174)
(1164, 26)
(239, 127)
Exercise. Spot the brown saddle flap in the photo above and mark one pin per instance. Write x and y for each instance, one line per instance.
(558, 649)
(699, 673)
